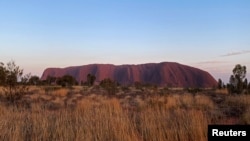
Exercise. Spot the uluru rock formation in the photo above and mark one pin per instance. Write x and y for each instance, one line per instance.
(163, 74)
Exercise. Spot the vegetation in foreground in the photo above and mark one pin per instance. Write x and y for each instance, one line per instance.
(80, 113)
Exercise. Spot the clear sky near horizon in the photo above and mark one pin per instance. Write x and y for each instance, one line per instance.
(213, 35)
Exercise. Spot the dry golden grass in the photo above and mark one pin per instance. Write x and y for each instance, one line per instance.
(173, 117)
(60, 92)
(102, 121)
(221, 91)
(246, 116)
(1, 89)
(237, 106)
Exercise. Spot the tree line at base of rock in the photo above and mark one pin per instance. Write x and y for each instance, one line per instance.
(14, 83)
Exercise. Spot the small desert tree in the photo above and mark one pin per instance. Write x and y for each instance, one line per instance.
(109, 85)
(66, 80)
(245, 83)
(236, 82)
(34, 80)
(90, 79)
(14, 82)
(220, 84)
(50, 80)
(2, 74)
(248, 88)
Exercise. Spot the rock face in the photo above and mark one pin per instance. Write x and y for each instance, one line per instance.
(163, 74)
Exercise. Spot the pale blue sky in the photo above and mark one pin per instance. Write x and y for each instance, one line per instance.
(213, 35)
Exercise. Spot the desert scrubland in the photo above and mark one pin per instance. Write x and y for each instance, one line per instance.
(130, 114)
